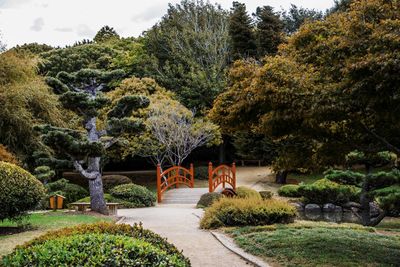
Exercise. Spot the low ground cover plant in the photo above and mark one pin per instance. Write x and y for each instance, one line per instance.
(319, 244)
(139, 196)
(20, 191)
(100, 244)
(208, 199)
(247, 211)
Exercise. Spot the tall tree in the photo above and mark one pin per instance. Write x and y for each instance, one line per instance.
(191, 45)
(106, 33)
(296, 16)
(241, 32)
(269, 31)
(81, 92)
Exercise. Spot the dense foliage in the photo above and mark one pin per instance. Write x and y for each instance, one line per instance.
(245, 192)
(120, 244)
(138, 195)
(290, 190)
(20, 191)
(111, 181)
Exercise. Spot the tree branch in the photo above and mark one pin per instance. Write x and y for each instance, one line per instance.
(86, 174)
(382, 139)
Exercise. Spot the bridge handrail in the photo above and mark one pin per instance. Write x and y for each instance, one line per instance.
(215, 178)
(172, 176)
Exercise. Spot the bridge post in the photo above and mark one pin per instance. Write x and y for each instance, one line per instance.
(191, 175)
(158, 183)
(234, 175)
(210, 178)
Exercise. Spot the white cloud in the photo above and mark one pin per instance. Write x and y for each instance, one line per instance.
(38, 24)
(67, 21)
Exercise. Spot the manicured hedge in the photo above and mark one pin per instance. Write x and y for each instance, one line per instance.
(139, 196)
(93, 250)
(100, 244)
(245, 192)
(208, 199)
(20, 191)
(71, 192)
(290, 190)
(326, 191)
(111, 181)
(247, 211)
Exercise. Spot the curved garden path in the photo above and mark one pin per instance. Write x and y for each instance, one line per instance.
(179, 223)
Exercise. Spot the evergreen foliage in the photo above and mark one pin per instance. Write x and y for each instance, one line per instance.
(106, 33)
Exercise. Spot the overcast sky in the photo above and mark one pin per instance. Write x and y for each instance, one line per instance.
(62, 22)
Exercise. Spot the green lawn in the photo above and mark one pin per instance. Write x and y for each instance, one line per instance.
(319, 244)
(40, 223)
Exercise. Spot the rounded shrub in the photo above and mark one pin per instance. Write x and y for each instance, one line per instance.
(71, 192)
(290, 190)
(20, 191)
(247, 211)
(245, 192)
(208, 199)
(139, 196)
(111, 181)
(100, 244)
(326, 191)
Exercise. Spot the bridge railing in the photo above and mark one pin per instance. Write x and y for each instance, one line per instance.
(223, 174)
(173, 176)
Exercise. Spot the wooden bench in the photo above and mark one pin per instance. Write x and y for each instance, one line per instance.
(83, 206)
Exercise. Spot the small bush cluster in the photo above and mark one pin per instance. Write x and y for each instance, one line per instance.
(389, 199)
(100, 244)
(71, 192)
(20, 191)
(247, 211)
(290, 190)
(326, 191)
(111, 181)
(208, 199)
(245, 192)
(345, 177)
(138, 196)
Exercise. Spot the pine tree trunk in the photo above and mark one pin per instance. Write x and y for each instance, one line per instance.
(365, 200)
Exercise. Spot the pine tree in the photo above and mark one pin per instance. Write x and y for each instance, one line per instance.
(269, 31)
(106, 33)
(241, 32)
(81, 92)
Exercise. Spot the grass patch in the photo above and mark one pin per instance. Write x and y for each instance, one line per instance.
(319, 244)
(39, 223)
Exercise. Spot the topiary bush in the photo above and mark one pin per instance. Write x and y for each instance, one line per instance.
(201, 173)
(245, 192)
(388, 199)
(111, 181)
(71, 192)
(266, 194)
(290, 190)
(345, 177)
(208, 199)
(247, 211)
(100, 244)
(139, 196)
(326, 191)
(20, 191)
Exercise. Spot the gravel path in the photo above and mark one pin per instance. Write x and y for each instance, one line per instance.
(180, 225)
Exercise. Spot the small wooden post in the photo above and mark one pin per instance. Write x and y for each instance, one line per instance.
(210, 178)
(191, 175)
(234, 175)
(159, 183)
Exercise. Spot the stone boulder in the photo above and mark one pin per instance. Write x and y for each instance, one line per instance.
(329, 207)
(312, 208)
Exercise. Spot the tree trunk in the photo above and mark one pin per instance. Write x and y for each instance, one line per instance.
(281, 176)
(222, 153)
(97, 201)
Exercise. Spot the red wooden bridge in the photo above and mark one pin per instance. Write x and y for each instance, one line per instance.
(169, 183)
